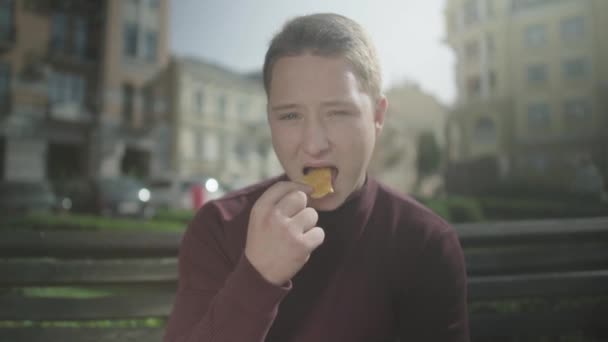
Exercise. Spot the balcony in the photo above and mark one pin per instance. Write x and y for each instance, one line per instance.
(68, 111)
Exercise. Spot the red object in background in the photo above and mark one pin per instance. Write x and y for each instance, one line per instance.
(198, 196)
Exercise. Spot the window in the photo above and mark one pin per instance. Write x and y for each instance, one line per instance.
(572, 29)
(575, 69)
(492, 79)
(537, 74)
(212, 147)
(539, 116)
(5, 88)
(241, 149)
(154, 4)
(6, 20)
(69, 35)
(130, 40)
(471, 50)
(148, 102)
(535, 36)
(199, 101)
(524, 5)
(577, 112)
(151, 46)
(128, 98)
(198, 144)
(243, 106)
(490, 10)
(80, 37)
(485, 130)
(490, 45)
(59, 32)
(471, 13)
(474, 86)
(66, 88)
(221, 107)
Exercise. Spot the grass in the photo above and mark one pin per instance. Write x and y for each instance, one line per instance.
(77, 293)
(63, 292)
(47, 222)
(118, 323)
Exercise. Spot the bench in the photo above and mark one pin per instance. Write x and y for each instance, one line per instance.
(556, 270)
(135, 274)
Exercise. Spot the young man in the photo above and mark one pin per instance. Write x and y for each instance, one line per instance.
(271, 263)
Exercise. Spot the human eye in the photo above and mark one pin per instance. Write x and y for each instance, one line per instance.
(288, 116)
(339, 112)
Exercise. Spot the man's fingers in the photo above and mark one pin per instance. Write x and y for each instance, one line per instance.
(292, 203)
(305, 220)
(276, 192)
(313, 237)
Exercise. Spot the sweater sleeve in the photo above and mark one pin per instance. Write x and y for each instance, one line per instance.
(218, 300)
(436, 308)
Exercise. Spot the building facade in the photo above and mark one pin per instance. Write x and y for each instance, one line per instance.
(531, 83)
(412, 112)
(72, 79)
(217, 125)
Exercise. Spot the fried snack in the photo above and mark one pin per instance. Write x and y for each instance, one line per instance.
(320, 181)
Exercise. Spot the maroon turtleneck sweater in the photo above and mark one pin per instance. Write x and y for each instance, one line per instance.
(388, 270)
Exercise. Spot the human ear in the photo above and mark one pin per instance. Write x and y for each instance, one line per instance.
(379, 112)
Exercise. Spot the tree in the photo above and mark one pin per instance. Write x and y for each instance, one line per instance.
(429, 154)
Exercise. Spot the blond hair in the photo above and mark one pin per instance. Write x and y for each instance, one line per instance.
(327, 35)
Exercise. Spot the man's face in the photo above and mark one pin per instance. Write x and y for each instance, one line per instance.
(320, 117)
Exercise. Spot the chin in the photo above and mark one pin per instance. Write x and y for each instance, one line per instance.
(327, 203)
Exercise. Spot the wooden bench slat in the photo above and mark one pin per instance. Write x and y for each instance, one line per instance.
(88, 244)
(136, 305)
(543, 231)
(49, 272)
(522, 324)
(584, 283)
(81, 334)
(537, 259)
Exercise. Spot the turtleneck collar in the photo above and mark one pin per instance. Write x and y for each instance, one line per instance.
(348, 221)
(351, 217)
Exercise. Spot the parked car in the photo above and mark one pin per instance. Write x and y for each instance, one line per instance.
(22, 197)
(120, 196)
(177, 193)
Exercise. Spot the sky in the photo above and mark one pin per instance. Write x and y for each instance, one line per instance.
(408, 35)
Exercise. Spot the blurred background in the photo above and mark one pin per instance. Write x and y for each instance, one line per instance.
(119, 118)
(498, 108)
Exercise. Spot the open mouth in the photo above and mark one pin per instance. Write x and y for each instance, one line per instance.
(334, 171)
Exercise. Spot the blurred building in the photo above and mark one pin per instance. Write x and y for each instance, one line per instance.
(532, 81)
(411, 113)
(72, 81)
(217, 125)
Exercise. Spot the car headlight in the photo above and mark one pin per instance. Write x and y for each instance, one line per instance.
(66, 204)
(144, 195)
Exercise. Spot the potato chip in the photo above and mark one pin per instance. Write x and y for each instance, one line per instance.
(320, 181)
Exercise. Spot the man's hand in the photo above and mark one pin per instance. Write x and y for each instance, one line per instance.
(282, 232)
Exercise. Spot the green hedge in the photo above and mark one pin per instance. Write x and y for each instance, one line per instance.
(183, 216)
(86, 222)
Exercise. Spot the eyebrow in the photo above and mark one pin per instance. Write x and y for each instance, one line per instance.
(283, 107)
(336, 103)
(324, 104)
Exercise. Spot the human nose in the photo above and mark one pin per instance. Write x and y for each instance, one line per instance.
(315, 139)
